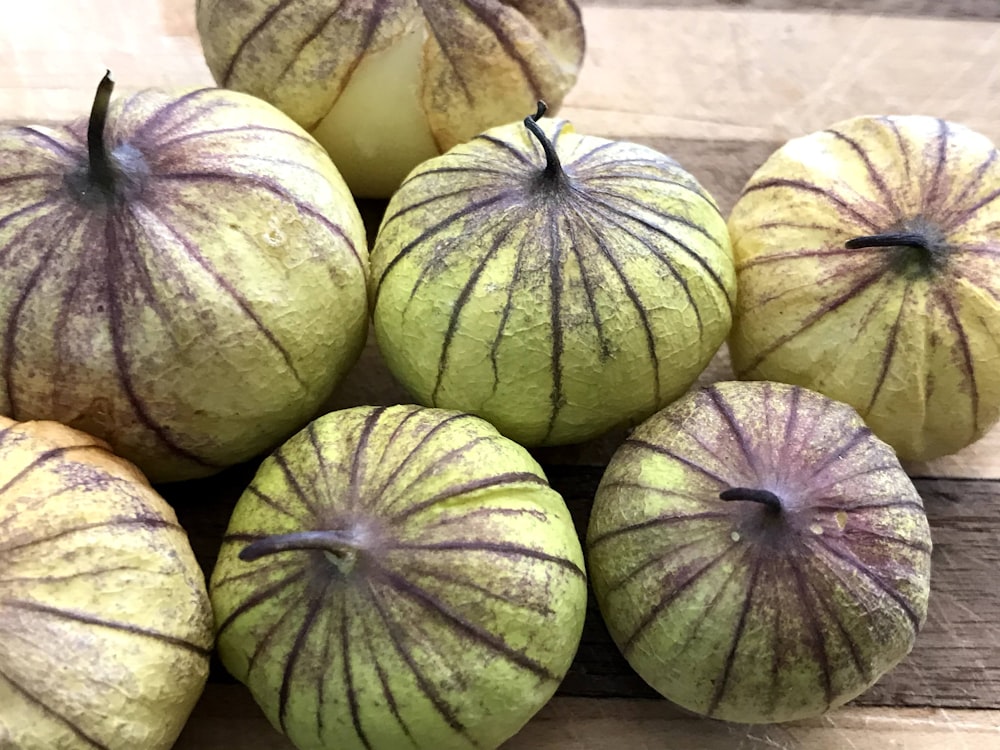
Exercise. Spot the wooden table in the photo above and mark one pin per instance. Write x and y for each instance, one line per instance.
(718, 84)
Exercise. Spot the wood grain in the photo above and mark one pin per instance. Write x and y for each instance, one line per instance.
(227, 717)
(981, 9)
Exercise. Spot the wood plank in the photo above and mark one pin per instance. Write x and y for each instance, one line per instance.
(982, 9)
(956, 660)
(758, 75)
(226, 716)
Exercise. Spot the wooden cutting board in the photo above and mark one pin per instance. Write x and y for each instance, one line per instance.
(718, 84)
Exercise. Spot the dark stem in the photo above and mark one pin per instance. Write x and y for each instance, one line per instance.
(553, 167)
(764, 497)
(890, 239)
(100, 168)
(335, 542)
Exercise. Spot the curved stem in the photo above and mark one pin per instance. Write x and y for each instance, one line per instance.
(889, 239)
(764, 497)
(100, 168)
(335, 542)
(553, 167)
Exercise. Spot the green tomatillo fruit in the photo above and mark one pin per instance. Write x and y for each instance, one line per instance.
(758, 554)
(385, 85)
(183, 276)
(557, 285)
(868, 260)
(399, 577)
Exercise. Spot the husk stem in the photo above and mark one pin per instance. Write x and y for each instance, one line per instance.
(331, 541)
(99, 166)
(890, 239)
(748, 494)
(553, 172)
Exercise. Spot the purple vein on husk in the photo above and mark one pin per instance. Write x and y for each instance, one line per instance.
(359, 454)
(843, 206)
(322, 465)
(162, 115)
(271, 501)
(962, 339)
(507, 148)
(672, 592)
(494, 24)
(501, 549)
(974, 182)
(723, 683)
(473, 631)
(414, 453)
(872, 576)
(840, 452)
(432, 466)
(375, 656)
(671, 237)
(350, 689)
(294, 54)
(855, 531)
(250, 128)
(659, 558)
(657, 522)
(39, 460)
(932, 196)
(34, 700)
(608, 255)
(900, 143)
(321, 670)
(590, 287)
(123, 627)
(684, 221)
(890, 350)
(831, 611)
(264, 644)
(735, 429)
(27, 289)
(667, 453)
(464, 295)
(144, 522)
(232, 293)
(862, 255)
(118, 328)
(441, 577)
(261, 596)
(267, 185)
(814, 317)
(817, 638)
(313, 608)
(513, 287)
(662, 257)
(817, 491)
(248, 38)
(556, 397)
(398, 638)
(874, 175)
(292, 480)
(50, 144)
(512, 478)
(444, 223)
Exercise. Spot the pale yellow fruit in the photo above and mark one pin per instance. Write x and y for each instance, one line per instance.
(556, 295)
(105, 623)
(386, 85)
(868, 260)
